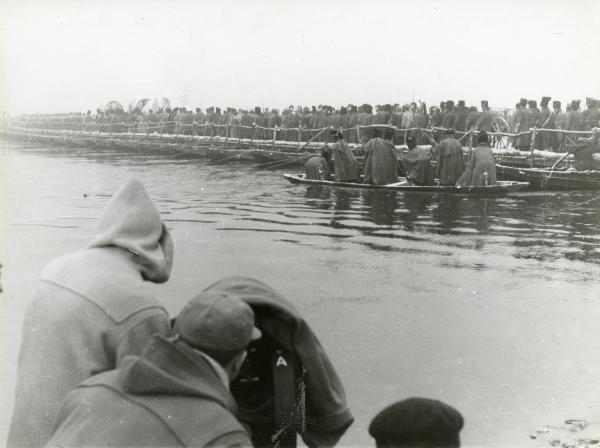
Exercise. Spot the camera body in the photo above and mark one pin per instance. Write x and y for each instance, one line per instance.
(268, 389)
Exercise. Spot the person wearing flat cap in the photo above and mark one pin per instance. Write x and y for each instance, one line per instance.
(176, 393)
(417, 422)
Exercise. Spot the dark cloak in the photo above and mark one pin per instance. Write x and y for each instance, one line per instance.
(381, 165)
(326, 413)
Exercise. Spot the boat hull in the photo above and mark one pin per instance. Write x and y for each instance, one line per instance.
(541, 179)
(491, 190)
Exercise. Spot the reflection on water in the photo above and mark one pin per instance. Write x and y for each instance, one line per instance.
(554, 226)
(462, 298)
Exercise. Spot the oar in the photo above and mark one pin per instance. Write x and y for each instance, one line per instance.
(322, 130)
(547, 178)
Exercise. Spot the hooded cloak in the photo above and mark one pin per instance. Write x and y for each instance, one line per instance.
(89, 310)
(344, 163)
(381, 165)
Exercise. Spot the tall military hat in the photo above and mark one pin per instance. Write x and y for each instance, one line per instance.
(218, 110)
(367, 108)
(484, 104)
(343, 110)
(523, 102)
(532, 103)
(545, 101)
(449, 103)
(387, 107)
(461, 103)
(575, 104)
(556, 103)
(210, 110)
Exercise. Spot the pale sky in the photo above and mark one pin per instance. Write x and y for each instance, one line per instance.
(60, 56)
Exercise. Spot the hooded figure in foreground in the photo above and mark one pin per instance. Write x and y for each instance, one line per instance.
(287, 351)
(89, 310)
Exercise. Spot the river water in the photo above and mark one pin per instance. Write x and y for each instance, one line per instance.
(491, 305)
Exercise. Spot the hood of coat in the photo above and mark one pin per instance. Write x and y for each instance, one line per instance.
(132, 222)
(326, 399)
(173, 368)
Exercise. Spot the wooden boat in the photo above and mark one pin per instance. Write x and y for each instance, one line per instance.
(548, 179)
(502, 187)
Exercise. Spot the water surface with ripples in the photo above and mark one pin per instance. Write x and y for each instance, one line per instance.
(490, 304)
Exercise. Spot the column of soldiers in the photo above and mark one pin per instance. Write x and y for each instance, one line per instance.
(527, 115)
(306, 123)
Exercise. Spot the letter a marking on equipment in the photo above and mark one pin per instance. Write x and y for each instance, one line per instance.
(281, 362)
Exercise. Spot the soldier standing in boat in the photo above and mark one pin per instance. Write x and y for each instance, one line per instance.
(450, 158)
(481, 167)
(344, 163)
(381, 165)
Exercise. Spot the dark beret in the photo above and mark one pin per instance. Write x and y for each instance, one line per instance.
(417, 422)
